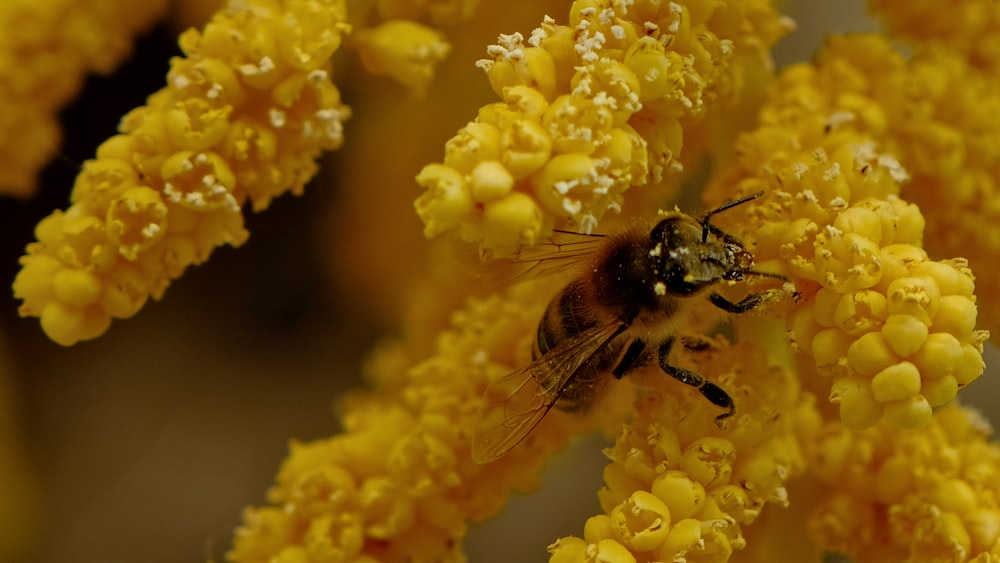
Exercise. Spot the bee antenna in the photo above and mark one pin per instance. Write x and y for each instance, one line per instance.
(706, 225)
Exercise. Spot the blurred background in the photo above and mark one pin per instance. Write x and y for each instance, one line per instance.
(147, 443)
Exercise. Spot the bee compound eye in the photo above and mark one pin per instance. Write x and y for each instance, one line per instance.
(660, 232)
(675, 232)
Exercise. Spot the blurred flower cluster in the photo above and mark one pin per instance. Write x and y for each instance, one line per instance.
(880, 211)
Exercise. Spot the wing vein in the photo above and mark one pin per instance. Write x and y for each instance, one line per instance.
(514, 404)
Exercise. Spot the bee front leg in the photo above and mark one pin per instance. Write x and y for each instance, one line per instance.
(749, 302)
(715, 394)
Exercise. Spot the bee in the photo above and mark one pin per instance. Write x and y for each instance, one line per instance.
(623, 312)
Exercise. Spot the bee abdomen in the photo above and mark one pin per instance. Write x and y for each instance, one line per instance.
(566, 316)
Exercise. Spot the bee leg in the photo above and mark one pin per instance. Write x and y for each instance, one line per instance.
(635, 355)
(749, 302)
(715, 394)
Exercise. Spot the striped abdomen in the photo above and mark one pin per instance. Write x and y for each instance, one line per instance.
(570, 313)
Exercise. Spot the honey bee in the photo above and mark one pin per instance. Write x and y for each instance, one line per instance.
(623, 312)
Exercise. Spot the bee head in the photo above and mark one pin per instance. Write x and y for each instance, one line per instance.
(686, 256)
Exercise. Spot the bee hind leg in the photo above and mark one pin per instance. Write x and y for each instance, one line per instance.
(715, 394)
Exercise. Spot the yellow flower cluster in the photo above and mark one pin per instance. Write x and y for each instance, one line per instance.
(46, 50)
(246, 112)
(969, 28)
(405, 50)
(588, 109)
(895, 329)
(932, 495)
(939, 118)
(399, 484)
(582, 120)
(680, 489)
(401, 38)
(438, 14)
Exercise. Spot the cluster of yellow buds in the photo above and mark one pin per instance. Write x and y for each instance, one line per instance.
(932, 495)
(589, 109)
(404, 50)
(939, 120)
(400, 483)
(967, 28)
(848, 151)
(46, 49)
(677, 486)
(896, 330)
(245, 114)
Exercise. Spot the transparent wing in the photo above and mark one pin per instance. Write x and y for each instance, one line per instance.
(563, 251)
(517, 402)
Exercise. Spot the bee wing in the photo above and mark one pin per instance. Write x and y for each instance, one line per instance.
(516, 403)
(561, 252)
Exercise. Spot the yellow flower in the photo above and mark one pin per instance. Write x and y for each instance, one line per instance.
(894, 329)
(46, 50)
(940, 111)
(871, 170)
(400, 482)
(437, 14)
(405, 50)
(934, 113)
(918, 496)
(968, 27)
(402, 39)
(588, 110)
(677, 486)
(245, 114)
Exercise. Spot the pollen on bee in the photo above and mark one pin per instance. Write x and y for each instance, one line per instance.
(660, 288)
(657, 250)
